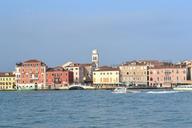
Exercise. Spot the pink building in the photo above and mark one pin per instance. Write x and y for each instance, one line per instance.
(167, 76)
(31, 74)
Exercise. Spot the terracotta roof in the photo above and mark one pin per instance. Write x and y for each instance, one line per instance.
(167, 67)
(106, 68)
(32, 61)
(55, 69)
(7, 74)
(88, 64)
(142, 62)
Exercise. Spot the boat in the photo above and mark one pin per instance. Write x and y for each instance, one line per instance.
(81, 87)
(120, 90)
(183, 88)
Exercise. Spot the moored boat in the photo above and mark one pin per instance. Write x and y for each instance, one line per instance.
(183, 88)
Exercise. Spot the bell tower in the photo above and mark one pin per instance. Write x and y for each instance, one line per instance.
(95, 58)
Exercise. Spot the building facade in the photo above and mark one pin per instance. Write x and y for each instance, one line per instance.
(88, 73)
(30, 75)
(188, 64)
(78, 72)
(7, 81)
(58, 78)
(136, 72)
(106, 76)
(167, 76)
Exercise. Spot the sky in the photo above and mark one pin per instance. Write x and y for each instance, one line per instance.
(57, 31)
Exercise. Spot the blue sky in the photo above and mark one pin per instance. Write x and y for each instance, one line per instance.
(57, 31)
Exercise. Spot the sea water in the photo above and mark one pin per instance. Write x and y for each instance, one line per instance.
(95, 109)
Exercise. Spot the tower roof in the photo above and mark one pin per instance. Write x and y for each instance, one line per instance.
(95, 51)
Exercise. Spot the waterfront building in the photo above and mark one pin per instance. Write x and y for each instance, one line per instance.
(167, 76)
(58, 78)
(189, 69)
(188, 64)
(78, 72)
(88, 72)
(137, 72)
(7, 81)
(30, 75)
(106, 76)
(82, 73)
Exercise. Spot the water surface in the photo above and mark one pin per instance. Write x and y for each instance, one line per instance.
(95, 109)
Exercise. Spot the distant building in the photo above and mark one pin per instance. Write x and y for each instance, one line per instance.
(95, 58)
(106, 76)
(58, 78)
(78, 71)
(167, 76)
(82, 73)
(189, 69)
(88, 73)
(31, 74)
(136, 72)
(188, 64)
(7, 81)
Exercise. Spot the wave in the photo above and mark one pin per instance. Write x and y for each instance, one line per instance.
(161, 92)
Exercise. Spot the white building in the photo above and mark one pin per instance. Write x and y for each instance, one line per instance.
(95, 58)
(78, 71)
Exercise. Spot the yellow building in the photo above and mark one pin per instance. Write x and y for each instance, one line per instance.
(7, 81)
(106, 76)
